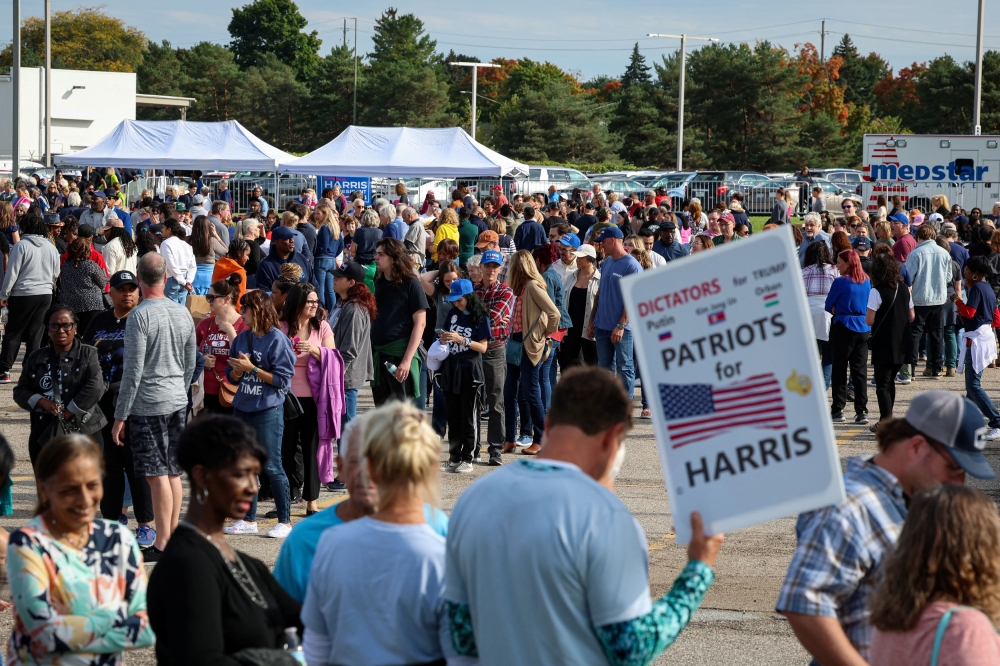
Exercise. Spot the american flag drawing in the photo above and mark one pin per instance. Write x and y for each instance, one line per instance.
(698, 411)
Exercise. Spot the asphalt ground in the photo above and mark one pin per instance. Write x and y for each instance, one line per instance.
(736, 623)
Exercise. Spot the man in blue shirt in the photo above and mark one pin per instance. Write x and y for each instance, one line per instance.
(295, 559)
(666, 246)
(392, 224)
(530, 234)
(950, 233)
(609, 325)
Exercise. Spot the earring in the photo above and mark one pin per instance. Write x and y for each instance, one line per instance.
(201, 496)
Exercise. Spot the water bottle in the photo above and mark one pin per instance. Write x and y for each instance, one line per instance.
(293, 647)
(390, 367)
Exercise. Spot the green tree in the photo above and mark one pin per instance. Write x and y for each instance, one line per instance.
(279, 107)
(858, 75)
(85, 39)
(161, 73)
(667, 85)
(553, 123)
(945, 92)
(332, 95)
(274, 27)
(406, 83)
(635, 118)
(223, 91)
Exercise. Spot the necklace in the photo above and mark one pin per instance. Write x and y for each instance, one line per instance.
(118, 319)
(237, 569)
(69, 538)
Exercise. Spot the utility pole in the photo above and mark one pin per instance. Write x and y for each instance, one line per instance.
(978, 96)
(680, 92)
(15, 80)
(355, 121)
(48, 83)
(475, 79)
(822, 41)
(345, 33)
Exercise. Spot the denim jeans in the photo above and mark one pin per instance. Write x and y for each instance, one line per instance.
(524, 377)
(646, 390)
(421, 402)
(351, 398)
(826, 361)
(951, 346)
(547, 376)
(203, 279)
(324, 281)
(975, 392)
(616, 357)
(269, 424)
(175, 291)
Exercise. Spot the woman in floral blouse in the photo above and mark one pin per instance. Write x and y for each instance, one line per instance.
(77, 582)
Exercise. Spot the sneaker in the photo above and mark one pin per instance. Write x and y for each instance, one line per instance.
(524, 440)
(151, 555)
(950, 372)
(861, 418)
(279, 531)
(871, 383)
(123, 519)
(838, 417)
(241, 527)
(900, 379)
(496, 460)
(449, 466)
(463, 468)
(4, 378)
(873, 427)
(145, 535)
(336, 485)
(271, 514)
(992, 435)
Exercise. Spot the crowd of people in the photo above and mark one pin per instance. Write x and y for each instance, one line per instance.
(479, 317)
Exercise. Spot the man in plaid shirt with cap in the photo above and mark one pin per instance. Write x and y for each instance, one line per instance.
(499, 300)
(840, 548)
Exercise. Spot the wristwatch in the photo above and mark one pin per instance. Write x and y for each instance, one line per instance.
(620, 325)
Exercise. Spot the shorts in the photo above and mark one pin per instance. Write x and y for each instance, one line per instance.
(154, 441)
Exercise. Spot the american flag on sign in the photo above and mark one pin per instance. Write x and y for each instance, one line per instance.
(698, 411)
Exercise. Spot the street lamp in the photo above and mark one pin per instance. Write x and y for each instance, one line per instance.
(680, 93)
(978, 95)
(475, 77)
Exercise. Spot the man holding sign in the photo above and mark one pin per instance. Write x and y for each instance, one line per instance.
(835, 568)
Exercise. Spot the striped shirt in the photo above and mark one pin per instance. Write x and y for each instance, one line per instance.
(835, 567)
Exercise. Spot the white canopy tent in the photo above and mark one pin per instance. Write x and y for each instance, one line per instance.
(405, 152)
(179, 144)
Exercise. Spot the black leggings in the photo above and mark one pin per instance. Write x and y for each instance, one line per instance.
(572, 347)
(298, 451)
(849, 348)
(464, 413)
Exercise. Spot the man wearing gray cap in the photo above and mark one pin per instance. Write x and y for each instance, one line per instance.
(840, 548)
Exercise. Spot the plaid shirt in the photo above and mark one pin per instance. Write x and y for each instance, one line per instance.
(819, 280)
(499, 300)
(835, 567)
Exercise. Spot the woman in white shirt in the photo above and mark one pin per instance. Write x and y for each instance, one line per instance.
(120, 252)
(179, 257)
(376, 589)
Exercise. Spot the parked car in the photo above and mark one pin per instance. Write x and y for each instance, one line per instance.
(848, 179)
(760, 199)
(623, 188)
(540, 178)
(675, 185)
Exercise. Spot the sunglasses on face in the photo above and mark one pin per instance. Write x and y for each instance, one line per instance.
(211, 297)
(312, 303)
(65, 326)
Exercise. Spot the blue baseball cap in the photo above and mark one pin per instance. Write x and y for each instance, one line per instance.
(282, 233)
(862, 243)
(459, 290)
(955, 422)
(570, 240)
(491, 257)
(900, 217)
(609, 232)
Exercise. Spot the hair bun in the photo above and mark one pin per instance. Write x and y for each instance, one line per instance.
(235, 279)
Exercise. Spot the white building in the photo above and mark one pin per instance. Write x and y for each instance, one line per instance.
(85, 107)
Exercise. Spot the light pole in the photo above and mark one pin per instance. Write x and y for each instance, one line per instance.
(680, 92)
(475, 78)
(978, 95)
(48, 83)
(15, 80)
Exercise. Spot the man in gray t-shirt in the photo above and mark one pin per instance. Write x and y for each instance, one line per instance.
(160, 353)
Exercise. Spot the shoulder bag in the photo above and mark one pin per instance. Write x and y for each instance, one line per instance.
(293, 408)
(515, 350)
(941, 628)
(226, 390)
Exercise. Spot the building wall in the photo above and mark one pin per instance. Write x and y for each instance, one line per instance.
(81, 116)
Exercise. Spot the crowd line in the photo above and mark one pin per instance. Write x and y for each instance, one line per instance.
(180, 337)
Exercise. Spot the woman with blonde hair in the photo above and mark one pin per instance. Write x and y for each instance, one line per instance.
(400, 454)
(329, 250)
(8, 225)
(697, 220)
(447, 228)
(939, 202)
(401, 196)
(365, 237)
(939, 599)
(535, 318)
(883, 232)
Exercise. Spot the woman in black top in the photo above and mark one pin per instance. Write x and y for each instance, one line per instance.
(889, 313)
(61, 385)
(206, 601)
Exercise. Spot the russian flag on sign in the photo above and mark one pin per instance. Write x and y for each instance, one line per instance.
(717, 317)
(666, 335)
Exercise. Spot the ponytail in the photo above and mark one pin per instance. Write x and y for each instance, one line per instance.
(404, 452)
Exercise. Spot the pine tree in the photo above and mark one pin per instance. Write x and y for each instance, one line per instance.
(636, 117)
(273, 27)
(858, 75)
(332, 99)
(406, 85)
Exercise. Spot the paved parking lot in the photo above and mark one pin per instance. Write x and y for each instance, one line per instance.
(736, 623)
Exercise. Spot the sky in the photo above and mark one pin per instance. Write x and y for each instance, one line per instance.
(590, 37)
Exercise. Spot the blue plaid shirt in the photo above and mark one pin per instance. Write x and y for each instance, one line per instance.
(835, 567)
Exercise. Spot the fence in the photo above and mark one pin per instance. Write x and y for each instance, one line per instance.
(277, 193)
(968, 195)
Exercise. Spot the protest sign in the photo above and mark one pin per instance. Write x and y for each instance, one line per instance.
(347, 184)
(729, 360)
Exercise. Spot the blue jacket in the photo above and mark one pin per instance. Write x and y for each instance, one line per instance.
(326, 245)
(529, 235)
(272, 353)
(930, 267)
(270, 268)
(554, 286)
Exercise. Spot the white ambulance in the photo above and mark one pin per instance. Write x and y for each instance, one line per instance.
(964, 169)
